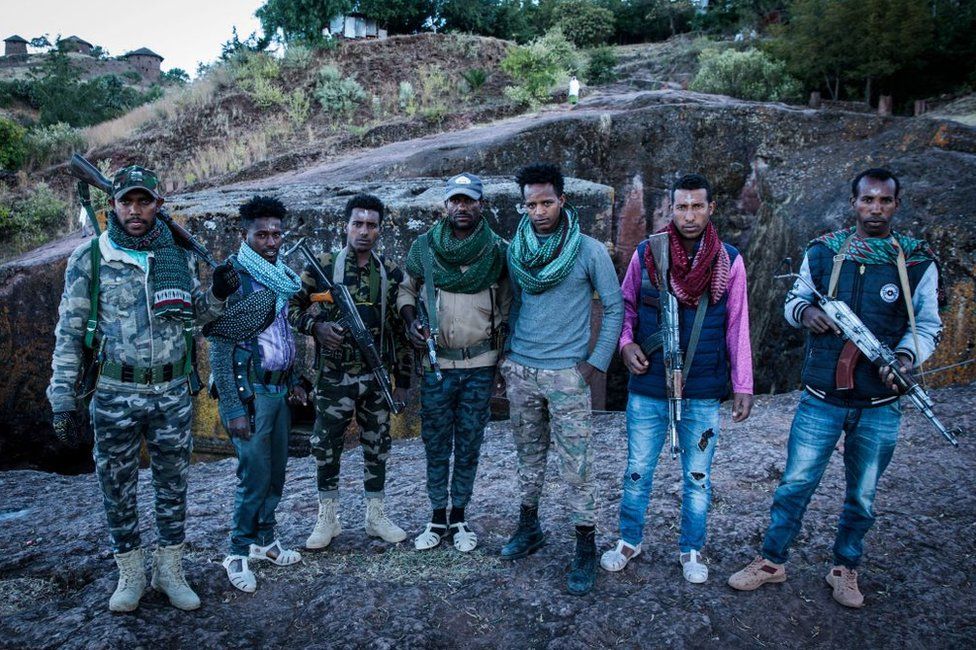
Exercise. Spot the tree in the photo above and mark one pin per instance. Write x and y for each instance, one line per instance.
(399, 16)
(300, 20)
(585, 23)
(175, 76)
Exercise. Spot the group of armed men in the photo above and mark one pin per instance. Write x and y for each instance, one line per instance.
(521, 308)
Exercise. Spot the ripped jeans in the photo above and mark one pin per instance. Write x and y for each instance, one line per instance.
(647, 434)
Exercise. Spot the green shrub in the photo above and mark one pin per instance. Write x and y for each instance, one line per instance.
(53, 143)
(750, 74)
(265, 94)
(474, 79)
(297, 57)
(599, 70)
(338, 94)
(561, 50)
(29, 219)
(585, 23)
(13, 148)
(298, 106)
(539, 66)
(406, 97)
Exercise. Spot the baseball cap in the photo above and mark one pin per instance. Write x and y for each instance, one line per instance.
(134, 177)
(466, 184)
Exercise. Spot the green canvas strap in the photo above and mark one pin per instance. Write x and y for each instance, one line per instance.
(427, 257)
(906, 292)
(838, 263)
(93, 287)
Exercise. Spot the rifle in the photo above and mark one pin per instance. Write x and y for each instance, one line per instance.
(352, 321)
(670, 337)
(430, 339)
(87, 172)
(855, 331)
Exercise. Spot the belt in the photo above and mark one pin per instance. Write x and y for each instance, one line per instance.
(470, 352)
(140, 375)
(270, 377)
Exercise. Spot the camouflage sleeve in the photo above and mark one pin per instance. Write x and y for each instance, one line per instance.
(70, 330)
(402, 347)
(298, 305)
(206, 307)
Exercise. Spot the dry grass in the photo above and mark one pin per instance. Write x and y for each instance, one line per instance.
(233, 154)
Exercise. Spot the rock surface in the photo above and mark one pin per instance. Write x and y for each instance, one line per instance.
(56, 574)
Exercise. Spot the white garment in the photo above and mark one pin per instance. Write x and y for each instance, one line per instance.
(574, 87)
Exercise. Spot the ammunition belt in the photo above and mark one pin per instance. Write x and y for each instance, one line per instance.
(140, 375)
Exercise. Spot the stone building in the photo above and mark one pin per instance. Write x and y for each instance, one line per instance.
(15, 46)
(75, 44)
(146, 62)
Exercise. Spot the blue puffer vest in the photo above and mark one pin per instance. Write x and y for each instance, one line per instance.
(709, 374)
(874, 292)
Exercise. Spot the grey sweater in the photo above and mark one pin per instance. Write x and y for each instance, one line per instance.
(551, 330)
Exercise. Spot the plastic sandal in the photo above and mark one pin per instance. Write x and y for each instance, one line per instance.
(464, 540)
(430, 538)
(692, 568)
(284, 558)
(615, 560)
(243, 579)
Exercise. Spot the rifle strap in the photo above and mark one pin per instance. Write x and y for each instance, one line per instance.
(426, 255)
(655, 341)
(339, 276)
(838, 263)
(906, 292)
(93, 288)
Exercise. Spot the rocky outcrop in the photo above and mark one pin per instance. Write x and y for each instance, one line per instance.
(56, 574)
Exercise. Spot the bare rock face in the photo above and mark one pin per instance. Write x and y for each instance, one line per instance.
(56, 574)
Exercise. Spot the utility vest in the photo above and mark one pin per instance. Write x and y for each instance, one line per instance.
(708, 377)
(874, 292)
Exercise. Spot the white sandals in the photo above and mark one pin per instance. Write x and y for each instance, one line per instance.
(430, 538)
(464, 540)
(615, 560)
(692, 567)
(243, 579)
(283, 558)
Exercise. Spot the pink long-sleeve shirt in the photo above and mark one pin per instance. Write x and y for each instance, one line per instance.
(737, 323)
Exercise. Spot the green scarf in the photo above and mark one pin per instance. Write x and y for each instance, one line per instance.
(877, 250)
(169, 272)
(481, 252)
(539, 266)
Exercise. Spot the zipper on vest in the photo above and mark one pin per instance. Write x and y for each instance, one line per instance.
(856, 294)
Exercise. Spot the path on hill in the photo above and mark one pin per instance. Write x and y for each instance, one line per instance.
(56, 574)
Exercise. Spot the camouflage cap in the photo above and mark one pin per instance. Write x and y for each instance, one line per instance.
(134, 177)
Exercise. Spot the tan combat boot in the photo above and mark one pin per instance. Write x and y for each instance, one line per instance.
(379, 525)
(844, 583)
(326, 526)
(167, 577)
(132, 581)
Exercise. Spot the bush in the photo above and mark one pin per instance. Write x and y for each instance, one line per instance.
(53, 143)
(338, 94)
(474, 79)
(539, 66)
(30, 218)
(298, 106)
(585, 23)
(750, 74)
(599, 70)
(297, 57)
(405, 98)
(13, 148)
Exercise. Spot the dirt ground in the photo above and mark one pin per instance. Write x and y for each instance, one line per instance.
(56, 572)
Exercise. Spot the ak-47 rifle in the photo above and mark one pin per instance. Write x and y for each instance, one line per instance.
(90, 174)
(854, 330)
(670, 337)
(430, 338)
(352, 321)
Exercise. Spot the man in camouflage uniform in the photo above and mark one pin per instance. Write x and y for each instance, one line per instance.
(456, 269)
(345, 387)
(148, 297)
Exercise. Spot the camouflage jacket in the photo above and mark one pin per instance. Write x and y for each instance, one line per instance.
(128, 331)
(395, 350)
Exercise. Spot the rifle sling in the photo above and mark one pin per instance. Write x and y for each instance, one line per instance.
(426, 255)
(655, 341)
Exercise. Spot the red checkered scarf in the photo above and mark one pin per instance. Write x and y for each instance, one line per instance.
(690, 278)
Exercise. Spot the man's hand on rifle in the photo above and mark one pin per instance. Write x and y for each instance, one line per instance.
(329, 334)
(634, 358)
(298, 395)
(815, 320)
(239, 427)
(67, 428)
(417, 334)
(741, 406)
(587, 371)
(888, 375)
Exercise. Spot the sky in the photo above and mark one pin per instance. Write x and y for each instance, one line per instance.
(183, 32)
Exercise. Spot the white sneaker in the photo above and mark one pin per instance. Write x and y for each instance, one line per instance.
(326, 526)
(379, 525)
(693, 568)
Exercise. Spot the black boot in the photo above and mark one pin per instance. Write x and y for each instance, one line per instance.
(582, 574)
(528, 536)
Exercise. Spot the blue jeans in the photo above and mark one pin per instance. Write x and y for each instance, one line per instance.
(454, 413)
(870, 436)
(260, 473)
(647, 432)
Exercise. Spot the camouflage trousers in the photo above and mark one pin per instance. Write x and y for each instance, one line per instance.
(339, 397)
(552, 405)
(122, 415)
(453, 415)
